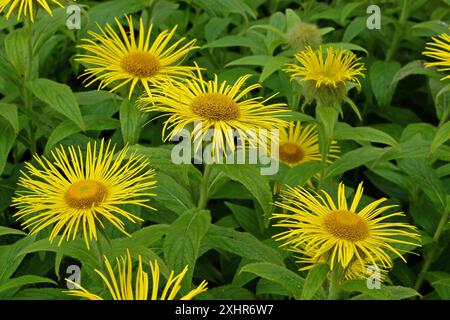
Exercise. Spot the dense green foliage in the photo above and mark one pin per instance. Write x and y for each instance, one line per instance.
(399, 147)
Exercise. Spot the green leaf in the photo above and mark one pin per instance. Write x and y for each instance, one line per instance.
(384, 293)
(16, 48)
(60, 98)
(426, 178)
(251, 178)
(228, 292)
(434, 27)
(41, 294)
(129, 120)
(6, 231)
(327, 116)
(9, 112)
(182, 244)
(354, 28)
(145, 236)
(292, 19)
(346, 132)
(172, 195)
(23, 281)
(247, 218)
(346, 46)
(289, 280)
(7, 139)
(442, 287)
(10, 259)
(242, 244)
(314, 281)
(300, 174)
(442, 135)
(232, 41)
(75, 249)
(411, 68)
(354, 159)
(67, 128)
(273, 64)
(381, 74)
(256, 60)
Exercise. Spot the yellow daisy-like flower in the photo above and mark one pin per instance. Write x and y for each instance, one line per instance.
(26, 7)
(299, 144)
(439, 49)
(325, 79)
(123, 59)
(337, 68)
(75, 192)
(341, 234)
(218, 106)
(121, 287)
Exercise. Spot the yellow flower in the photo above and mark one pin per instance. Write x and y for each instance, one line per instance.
(75, 192)
(341, 234)
(26, 7)
(337, 68)
(439, 50)
(123, 59)
(215, 105)
(299, 144)
(325, 79)
(121, 288)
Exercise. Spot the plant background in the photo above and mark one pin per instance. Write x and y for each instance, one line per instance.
(399, 148)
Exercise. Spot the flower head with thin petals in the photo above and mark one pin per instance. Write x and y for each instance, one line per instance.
(126, 59)
(300, 143)
(123, 287)
(340, 234)
(26, 7)
(77, 192)
(214, 105)
(324, 75)
(338, 67)
(439, 50)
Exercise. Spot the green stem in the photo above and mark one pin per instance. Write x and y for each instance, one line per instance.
(398, 31)
(334, 282)
(204, 185)
(27, 94)
(434, 247)
(327, 118)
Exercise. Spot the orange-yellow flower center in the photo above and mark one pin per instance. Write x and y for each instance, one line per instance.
(291, 153)
(346, 225)
(140, 64)
(215, 106)
(85, 194)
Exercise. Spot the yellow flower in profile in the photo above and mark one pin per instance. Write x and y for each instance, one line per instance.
(299, 144)
(123, 59)
(338, 67)
(218, 106)
(121, 287)
(26, 7)
(339, 234)
(325, 78)
(80, 193)
(439, 49)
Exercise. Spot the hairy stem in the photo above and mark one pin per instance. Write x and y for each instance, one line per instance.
(203, 199)
(27, 94)
(429, 258)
